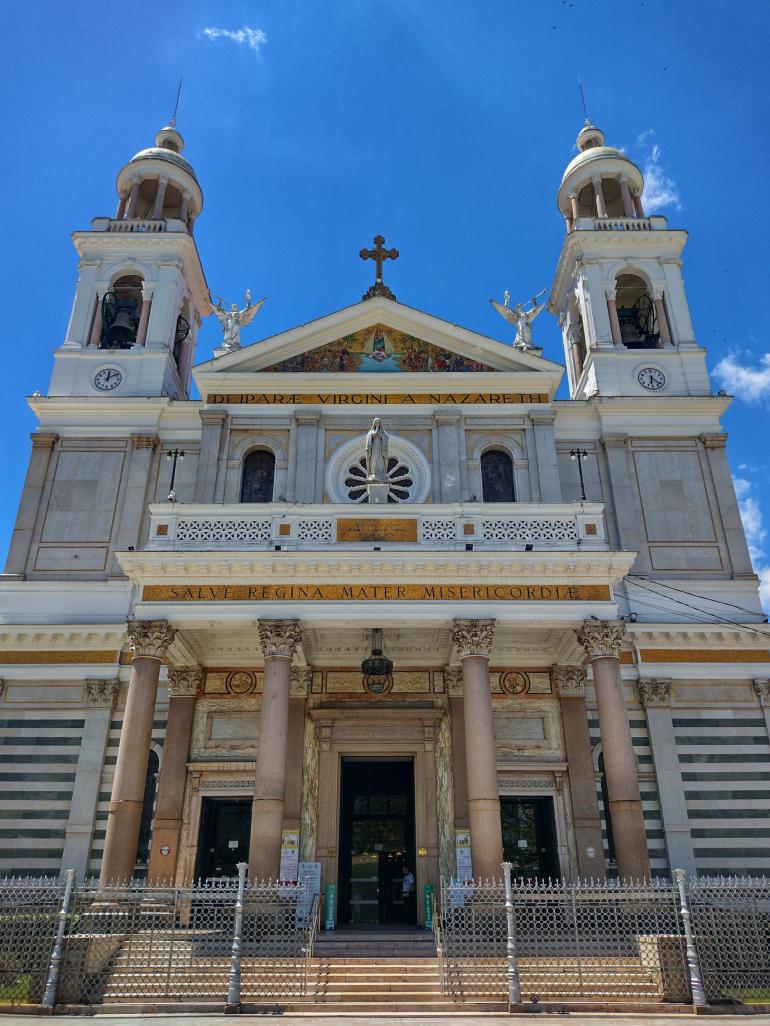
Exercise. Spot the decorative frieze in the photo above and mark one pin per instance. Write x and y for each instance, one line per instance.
(473, 637)
(601, 637)
(654, 691)
(279, 637)
(150, 638)
(570, 680)
(184, 681)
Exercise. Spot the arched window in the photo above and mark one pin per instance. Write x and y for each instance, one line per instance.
(258, 475)
(636, 313)
(496, 476)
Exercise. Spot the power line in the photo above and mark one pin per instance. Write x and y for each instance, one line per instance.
(721, 619)
(692, 594)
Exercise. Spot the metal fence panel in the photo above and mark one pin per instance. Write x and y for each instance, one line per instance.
(731, 926)
(473, 936)
(29, 917)
(277, 920)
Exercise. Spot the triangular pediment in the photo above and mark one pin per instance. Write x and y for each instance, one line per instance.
(376, 339)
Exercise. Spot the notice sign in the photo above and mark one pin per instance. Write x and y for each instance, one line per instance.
(289, 855)
(309, 874)
(463, 854)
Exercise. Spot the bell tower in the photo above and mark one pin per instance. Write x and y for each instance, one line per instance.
(618, 291)
(141, 292)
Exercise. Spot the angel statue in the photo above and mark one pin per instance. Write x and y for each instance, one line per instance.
(233, 320)
(521, 317)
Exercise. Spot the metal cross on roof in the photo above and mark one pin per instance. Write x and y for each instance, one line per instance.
(378, 254)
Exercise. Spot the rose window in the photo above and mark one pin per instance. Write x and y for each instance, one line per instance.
(400, 479)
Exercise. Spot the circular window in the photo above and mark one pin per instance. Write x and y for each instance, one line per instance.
(408, 472)
(399, 478)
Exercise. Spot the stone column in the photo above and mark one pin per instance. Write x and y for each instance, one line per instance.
(602, 640)
(473, 640)
(307, 465)
(571, 682)
(149, 640)
(638, 205)
(185, 206)
(612, 310)
(144, 316)
(278, 640)
(183, 684)
(574, 205)
(133, 197)
(121, 211)
(100, 698)
(601, 206)
(160, 197)
(95, 336)
(625, 195)
(655, 696)
(662, 317)
(29, 505)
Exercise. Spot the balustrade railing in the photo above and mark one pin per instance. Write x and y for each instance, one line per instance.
(506, 526)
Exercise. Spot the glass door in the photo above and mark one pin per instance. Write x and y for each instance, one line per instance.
(529, 837)
(223, 840)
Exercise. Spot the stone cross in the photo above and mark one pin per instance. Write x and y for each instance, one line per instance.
(379, 254)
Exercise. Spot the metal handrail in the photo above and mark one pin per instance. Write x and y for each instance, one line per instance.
(436, 920)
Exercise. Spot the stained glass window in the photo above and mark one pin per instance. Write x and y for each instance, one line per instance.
(496, 476)
(258, 475)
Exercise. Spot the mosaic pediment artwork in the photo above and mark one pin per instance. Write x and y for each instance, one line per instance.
(379, 350)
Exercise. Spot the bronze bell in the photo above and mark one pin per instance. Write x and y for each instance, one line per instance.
(121, 334)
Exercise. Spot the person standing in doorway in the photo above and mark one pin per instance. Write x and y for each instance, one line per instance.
(408, 892)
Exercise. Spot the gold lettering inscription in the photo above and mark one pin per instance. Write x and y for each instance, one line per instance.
(376, 529)
(375, 398)
(376, 593)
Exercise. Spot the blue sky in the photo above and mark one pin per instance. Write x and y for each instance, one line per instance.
(443, 124)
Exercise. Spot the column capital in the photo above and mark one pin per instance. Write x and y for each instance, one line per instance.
(718, 440)
(214, 415)
(570, 680)
(601, 637)
(102, 692)
(596, 180)
(473, 637)
(611, 291)
(762, 690)
(279, 637)
(148, 291)
(184, 681)
(300, 679)
(2, 686)
(654, 691)
(44, 439)
(144, 441)
(656, 291)
(616, 440)
(544, 417)
(453, 681)
(151, 638)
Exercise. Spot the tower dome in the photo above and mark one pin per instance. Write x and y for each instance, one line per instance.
(159, 184)
(600, 183)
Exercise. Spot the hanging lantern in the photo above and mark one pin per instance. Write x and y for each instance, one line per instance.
(377, 669)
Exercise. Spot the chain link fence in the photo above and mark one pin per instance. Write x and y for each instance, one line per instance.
(154, 943)
(654, 941)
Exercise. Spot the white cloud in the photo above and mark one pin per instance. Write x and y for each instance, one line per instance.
(249, 37)
(748, 383)
(755, 536)
(659, 189)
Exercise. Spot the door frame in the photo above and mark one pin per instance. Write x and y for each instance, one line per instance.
(379, 732)
(546, 786)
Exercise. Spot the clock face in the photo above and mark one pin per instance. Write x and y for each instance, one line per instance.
(651, 378)
(107, 379)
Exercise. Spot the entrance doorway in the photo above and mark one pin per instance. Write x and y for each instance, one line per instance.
(223, 839)
(529, 836)
(376, 841)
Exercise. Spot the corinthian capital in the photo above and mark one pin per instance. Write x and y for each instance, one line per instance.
(299, 681)
(279, 637)
(101, 692)
(473, 637)
(601, 637)
(184, 681)
(570, 680)
(654, 691)
(150, 638)
(762, 690)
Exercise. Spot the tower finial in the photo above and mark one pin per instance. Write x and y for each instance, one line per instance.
(583, 98)
(176, 105)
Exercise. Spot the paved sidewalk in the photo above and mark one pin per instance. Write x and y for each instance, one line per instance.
(312, 1019)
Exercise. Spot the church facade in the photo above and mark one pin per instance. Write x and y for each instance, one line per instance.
(378, 599)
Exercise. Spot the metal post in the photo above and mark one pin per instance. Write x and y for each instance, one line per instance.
(52, 979)
(234, 989)
(693, 963)
(512, 973)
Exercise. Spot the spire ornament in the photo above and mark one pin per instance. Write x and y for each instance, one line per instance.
(378, 254)
(521, 317)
